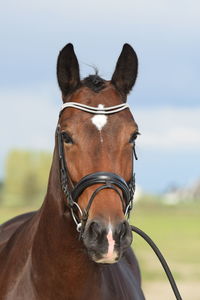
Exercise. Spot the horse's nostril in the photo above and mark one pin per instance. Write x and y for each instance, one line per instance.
(122, 229)
(94, 229)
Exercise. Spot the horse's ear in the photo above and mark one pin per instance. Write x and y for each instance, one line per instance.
(126, 69)
(68, 70)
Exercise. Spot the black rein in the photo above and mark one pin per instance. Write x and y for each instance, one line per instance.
(161, 259)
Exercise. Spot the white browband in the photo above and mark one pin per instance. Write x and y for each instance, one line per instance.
(96, 110)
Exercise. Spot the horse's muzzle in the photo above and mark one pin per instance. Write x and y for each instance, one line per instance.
(106, 243)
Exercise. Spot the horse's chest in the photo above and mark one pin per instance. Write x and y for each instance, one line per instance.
(119, 283)
(109, 282)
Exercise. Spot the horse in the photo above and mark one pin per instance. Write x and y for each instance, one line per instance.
(77, 246)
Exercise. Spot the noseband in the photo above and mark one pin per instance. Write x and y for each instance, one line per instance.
(125, 190)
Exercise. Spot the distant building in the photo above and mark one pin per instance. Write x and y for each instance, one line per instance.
(183, 194)
(138, 193)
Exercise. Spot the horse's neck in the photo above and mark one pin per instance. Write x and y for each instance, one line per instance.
(57, 249)
(55, 222)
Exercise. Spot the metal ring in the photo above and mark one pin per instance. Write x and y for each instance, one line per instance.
(79, 209)
(78, 224)
(78, 227)
(127, 215)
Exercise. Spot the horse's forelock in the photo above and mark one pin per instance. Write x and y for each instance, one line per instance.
(94, 82)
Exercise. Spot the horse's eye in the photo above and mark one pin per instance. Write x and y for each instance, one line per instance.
(133, 137)
(67, 139)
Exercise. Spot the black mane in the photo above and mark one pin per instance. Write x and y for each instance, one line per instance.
(94, 82)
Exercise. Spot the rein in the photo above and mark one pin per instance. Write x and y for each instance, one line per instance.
(161, 259)
(109, 181)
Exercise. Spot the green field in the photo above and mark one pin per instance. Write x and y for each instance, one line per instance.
(175, 230)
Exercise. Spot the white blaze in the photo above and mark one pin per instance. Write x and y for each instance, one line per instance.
(100, 120)
(111, 244)
(111, 255)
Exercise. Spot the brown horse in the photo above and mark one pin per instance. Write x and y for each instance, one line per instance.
(77, 245)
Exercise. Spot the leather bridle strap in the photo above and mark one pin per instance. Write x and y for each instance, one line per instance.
(110, 181)
(85, 213)
(100, 110)
(101, 177)
(64, 176)
(103, 187)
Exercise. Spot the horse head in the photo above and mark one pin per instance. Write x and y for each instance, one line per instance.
(96, 138)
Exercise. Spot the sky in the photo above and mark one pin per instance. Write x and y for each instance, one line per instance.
(165, 100)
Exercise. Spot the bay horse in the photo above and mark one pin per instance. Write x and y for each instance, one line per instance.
(77, 246)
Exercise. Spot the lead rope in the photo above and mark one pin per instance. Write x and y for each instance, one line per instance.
(161, 259)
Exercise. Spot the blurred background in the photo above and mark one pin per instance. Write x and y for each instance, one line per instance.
(165, 103)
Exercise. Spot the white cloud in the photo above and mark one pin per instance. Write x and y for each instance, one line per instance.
(169, 128)
(28, 119)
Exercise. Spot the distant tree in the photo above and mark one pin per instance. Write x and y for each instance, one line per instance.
(26, 175)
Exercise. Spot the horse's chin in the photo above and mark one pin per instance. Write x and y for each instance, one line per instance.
(107, 259)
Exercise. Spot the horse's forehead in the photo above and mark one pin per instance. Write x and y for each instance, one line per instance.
(109, 96)
(80, 120)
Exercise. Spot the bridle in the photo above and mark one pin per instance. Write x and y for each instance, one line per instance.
(107, 179)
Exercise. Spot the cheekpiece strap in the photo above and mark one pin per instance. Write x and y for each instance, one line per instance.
(63, 169)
